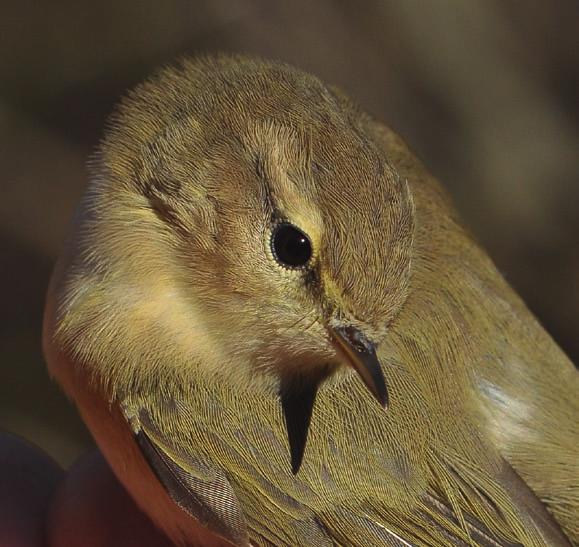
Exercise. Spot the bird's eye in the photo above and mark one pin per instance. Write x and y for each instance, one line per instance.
(290, 246)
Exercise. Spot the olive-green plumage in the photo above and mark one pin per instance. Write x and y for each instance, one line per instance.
(170, 305)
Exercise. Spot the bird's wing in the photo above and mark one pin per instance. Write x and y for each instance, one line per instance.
(204, 492)
(197, 488)
(276, 518)
(528, 387)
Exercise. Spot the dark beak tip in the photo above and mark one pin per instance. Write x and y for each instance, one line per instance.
(381, 395)
(385, 404)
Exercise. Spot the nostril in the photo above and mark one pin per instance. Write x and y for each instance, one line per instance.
(357, 339)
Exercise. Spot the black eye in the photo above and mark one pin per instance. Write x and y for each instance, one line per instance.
(290, 246)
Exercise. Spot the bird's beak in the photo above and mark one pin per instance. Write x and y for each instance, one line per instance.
(360, 353)
(298, 395)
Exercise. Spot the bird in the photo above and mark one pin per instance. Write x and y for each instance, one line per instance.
(279, 332)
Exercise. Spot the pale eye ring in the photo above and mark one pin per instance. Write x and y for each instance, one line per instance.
(290, 246)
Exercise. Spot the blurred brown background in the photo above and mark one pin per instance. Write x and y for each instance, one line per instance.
(486, 92)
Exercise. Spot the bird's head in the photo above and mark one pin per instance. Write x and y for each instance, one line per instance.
(244, 219)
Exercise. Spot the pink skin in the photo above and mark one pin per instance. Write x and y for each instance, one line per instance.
(42, 506)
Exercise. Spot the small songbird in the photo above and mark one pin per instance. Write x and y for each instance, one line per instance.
(279, 333)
